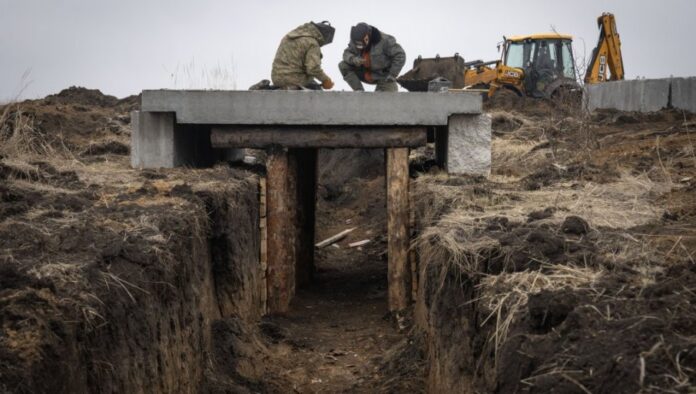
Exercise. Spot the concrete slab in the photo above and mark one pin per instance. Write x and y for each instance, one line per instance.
(311, 107)
(684, 94)
(469, 145)
(644, 95)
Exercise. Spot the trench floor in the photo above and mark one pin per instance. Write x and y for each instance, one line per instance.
(338, 329)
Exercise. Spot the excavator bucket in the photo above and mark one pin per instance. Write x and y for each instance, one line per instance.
(426, 70)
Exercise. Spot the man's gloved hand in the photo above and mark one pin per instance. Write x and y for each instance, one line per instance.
(327, 84)
(358, 61)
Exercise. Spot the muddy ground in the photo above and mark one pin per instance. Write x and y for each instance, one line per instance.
(570, 269)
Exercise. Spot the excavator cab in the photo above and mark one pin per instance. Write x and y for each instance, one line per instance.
(539, 65)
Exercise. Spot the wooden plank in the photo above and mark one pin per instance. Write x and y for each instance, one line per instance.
(399, 268)
(280, 227)
(306, 159)
(334, 137)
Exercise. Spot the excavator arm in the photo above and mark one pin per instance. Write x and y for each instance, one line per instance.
(606, 57)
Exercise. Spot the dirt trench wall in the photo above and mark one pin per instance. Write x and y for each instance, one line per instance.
(133, 308)
(449, 324)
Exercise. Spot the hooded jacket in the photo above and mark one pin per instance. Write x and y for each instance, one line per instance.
(298, 58)
(387, 58)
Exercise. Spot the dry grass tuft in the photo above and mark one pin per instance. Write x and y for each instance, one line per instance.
(19, 137)
(504, 296)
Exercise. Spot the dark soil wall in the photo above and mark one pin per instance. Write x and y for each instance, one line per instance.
(124, 296)
(449, 324)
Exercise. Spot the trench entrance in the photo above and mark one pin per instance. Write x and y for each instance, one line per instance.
(338, 328)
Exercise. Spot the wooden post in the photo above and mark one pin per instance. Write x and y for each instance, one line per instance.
(281, 231)
(263, 252)
(413, 254)
(399, 269)
(306, 207)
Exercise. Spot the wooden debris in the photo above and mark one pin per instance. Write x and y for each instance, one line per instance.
(359, 243)
(335, 238)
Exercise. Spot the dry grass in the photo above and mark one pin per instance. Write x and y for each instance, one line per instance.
(21, 140)
(623, 204)
(196, 76)
(504, 296)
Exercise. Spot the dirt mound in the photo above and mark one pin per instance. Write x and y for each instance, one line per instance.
(65, 124)
(82, 96)
(574, 172)
(106, 147)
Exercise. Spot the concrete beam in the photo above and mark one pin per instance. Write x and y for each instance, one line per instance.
(283, 107)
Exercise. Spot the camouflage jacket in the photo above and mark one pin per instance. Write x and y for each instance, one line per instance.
(298, 58)
(387, 58)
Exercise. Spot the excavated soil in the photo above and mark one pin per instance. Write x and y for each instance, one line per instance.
(571, 268)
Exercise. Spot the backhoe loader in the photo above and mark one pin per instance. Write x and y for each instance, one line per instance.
(536, 65)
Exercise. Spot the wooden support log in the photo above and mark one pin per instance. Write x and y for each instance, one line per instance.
(399, 268)
(334, 137)
(263, 252)
(281, 231)
(306, 159)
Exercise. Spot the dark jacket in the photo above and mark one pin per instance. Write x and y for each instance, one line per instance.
(387, 58)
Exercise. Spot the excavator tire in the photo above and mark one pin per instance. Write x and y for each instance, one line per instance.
(565, 93)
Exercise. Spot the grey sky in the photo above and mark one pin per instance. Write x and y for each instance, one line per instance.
(122, 47)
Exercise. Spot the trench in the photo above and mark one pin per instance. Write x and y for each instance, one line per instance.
(177, 303)
(338, 333)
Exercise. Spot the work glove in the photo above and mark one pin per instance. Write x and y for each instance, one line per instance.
(358, 61)
(327, 84)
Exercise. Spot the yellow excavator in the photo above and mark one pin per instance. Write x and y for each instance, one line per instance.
(535, 65)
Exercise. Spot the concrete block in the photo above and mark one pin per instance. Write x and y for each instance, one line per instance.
(644, 95)
(469, 145)
(684, 94)
(152, 140)
(283, 107)
(157, 141)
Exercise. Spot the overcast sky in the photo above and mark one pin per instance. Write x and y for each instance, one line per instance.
(124, 46)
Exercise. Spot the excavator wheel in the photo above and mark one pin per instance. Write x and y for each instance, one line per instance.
(565, 93)
(567, 98)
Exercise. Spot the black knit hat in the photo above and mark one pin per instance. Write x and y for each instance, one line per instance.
(359, 31)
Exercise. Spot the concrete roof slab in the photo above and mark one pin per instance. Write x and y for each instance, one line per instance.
(283, 107)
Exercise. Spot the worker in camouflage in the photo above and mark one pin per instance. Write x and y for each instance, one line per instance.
(297, 61)
(372, 57)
